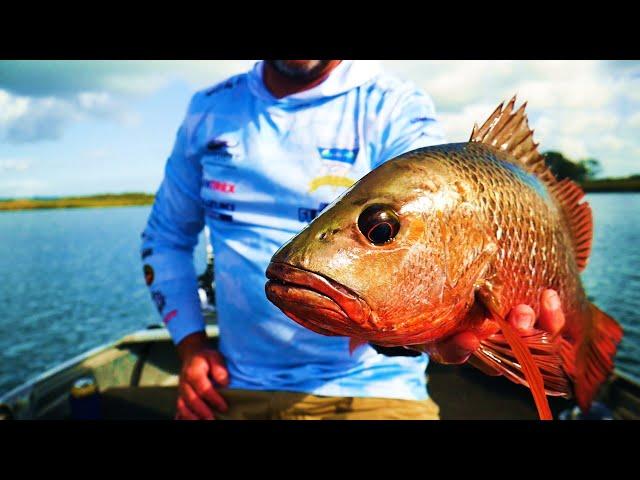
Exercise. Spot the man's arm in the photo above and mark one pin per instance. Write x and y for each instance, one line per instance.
(168, 241)
(176, 219)
(408, 121)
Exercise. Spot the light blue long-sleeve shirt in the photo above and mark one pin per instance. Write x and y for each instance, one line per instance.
(256, 169)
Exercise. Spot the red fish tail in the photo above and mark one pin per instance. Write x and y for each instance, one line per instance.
(594, 357)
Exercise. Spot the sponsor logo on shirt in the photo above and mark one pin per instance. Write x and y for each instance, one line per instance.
(218, 146)
(212, 205)
(330, 181)
(159, 300)
(225, 217)
(337, 164)
(344, 155)
(421, 119)
(170, 316)
(226, 85)
(219, 152)
(220, 186)
(148, 274)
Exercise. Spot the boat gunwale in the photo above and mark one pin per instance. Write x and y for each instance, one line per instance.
(138, 336)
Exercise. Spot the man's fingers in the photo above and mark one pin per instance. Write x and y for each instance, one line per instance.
(522, 317)
(195, 404)
(551, 315)
(218, 370)
(454, 350)
(463, 344)
(205, 391)
(183, 412)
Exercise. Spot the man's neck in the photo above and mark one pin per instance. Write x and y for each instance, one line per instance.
(281, 86)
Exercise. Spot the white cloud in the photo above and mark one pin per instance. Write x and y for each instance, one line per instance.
(611, 142)
(34, 110)
(573, 147)
(28, 119)
(14, 164)
(11, 107)
(634, 121)
(583, 108)
(18, 188)
(128, 77)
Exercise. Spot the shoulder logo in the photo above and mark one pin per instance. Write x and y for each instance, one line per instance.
(225, 85)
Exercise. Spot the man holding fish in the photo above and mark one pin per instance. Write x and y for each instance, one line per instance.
(257, 158)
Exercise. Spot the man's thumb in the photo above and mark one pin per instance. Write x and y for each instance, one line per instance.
(218, 369)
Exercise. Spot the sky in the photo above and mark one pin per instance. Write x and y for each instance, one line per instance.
(85, 127)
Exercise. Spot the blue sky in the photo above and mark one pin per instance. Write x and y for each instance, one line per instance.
(83, 127)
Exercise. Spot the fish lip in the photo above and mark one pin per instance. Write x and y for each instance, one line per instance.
(349, 303)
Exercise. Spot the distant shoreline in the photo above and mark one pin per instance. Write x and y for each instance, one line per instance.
(608, 185)
(612, 185)
(93, 201)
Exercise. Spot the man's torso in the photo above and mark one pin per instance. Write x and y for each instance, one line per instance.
(267, 171)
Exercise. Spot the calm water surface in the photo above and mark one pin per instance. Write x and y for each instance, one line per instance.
(71, 280)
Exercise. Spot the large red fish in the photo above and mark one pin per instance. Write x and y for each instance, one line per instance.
(449, 238)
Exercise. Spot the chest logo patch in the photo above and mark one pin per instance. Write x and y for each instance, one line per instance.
(345, 155)
(336, 166)
(330, 181)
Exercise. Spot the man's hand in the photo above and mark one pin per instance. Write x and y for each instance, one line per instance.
(197, 396)
(459, 348)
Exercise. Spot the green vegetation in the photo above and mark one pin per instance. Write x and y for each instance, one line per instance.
(585, 172)
(627, 184)
(106, 200)
(579, 171)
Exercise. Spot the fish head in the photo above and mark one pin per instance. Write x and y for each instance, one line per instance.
(381, 263)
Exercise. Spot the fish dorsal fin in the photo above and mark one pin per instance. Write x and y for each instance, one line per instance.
(508, 130)
(578, 216)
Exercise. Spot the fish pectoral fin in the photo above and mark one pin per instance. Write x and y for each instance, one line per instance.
(495, 354)
(511, 353)
(526, 363)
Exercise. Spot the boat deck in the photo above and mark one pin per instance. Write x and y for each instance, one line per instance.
(137, 378)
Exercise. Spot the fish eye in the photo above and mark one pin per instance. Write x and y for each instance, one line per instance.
(379, 224)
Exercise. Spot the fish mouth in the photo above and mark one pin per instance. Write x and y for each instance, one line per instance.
(315, 301)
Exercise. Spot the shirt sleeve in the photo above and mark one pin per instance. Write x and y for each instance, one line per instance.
(410, 123)
(168, 241)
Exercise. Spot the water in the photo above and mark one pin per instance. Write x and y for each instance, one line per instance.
(612, 277)
(71, 280)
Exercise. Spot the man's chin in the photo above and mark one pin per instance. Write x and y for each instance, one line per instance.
(302, 71)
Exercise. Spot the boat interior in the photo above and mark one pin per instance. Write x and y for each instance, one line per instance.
(137, 378)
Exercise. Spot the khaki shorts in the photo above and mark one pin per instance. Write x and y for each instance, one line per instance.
(267, 405)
